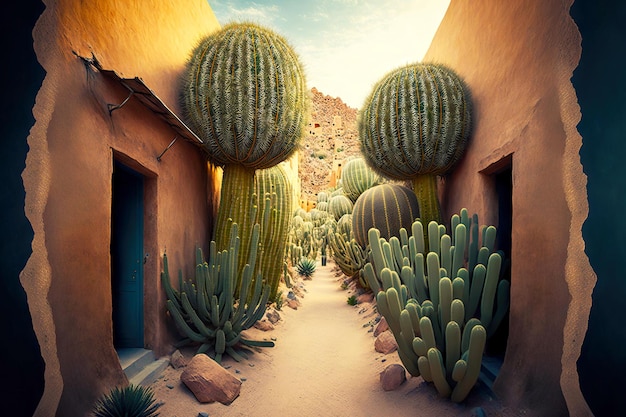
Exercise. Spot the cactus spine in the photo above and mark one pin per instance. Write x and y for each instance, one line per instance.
(415, 124)
(244, 94)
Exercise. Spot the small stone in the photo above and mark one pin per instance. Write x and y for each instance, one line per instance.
(385, 343)
(264, 325)
(392, 377)
(273, 316)
(203, 414)
(177, 360)
(170, 386)
(243, 379)
(293, 304)
(381, 327)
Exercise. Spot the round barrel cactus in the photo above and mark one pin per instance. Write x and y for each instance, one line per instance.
(415, 124)
(357, 177)
(344, 226)
(386, 207)
(244, 94)
(339, 205)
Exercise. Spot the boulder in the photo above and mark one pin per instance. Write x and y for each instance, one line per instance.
(385, 343)
(264, 325)
(209, 382)
(392, 377)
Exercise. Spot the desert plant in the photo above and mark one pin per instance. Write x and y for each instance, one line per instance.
(306, 267)
(357, 177)
(338, 205)
(130, 401)
(440, 307)
(352, 300)
(349, 256)
(206, 311)
(386, 207)
(244, 94)
(415, 124)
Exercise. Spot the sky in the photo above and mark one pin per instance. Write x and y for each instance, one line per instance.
(346, 46)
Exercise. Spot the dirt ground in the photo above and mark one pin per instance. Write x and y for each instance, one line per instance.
(323, 364)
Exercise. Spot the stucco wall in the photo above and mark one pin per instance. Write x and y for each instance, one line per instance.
(518, 58)
(68, 182)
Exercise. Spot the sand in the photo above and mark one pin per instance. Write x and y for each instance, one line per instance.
(323, 364)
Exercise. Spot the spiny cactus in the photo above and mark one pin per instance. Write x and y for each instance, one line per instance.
(244, 94)
(274, 218)
(349, 256)
(386, 207)
(415, 124)
(130, 401)
(339, 205)
(439, 312)
(357, 177)
(206, 311)
(306, 267)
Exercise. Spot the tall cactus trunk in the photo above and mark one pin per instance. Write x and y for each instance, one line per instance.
(237, 203)
(425, 188)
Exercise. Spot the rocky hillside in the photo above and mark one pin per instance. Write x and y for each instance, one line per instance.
(331, 140)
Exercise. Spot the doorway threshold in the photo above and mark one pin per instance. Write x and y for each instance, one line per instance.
(140, 365)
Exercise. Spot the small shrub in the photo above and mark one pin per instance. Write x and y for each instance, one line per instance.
(352, 300)
(131, 401)
(306, 267)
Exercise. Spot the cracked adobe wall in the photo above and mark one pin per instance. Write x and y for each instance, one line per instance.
(68, 183)
(518, 58)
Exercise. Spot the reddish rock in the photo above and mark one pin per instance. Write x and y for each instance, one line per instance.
(385, 343)
(264, 325)
(392, 377)
(209, 382)
(273, 316)
(177, 360)
(381, 327)
(293, 304)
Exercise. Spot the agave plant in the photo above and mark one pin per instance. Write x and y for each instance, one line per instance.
(306, 267)
(131, 401)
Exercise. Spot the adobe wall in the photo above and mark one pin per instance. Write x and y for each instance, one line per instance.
(68, 183)
(518, 58)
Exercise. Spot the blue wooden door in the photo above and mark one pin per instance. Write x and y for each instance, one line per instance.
(127, 257)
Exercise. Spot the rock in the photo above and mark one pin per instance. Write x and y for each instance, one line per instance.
(177, 360)
(209, 382)
(392, 377)
(385, 343)
(367, 297)
(264, 325)
(381, 327)
(293, 304)
(273, 316)
(203, 414)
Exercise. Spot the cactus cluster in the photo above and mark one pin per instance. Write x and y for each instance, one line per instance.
(349, 256)
(206, 311)
(440, 307)
(415, 124)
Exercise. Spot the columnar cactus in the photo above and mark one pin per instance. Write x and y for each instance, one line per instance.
(356, 177)
(386, 207)
(206, 311)
(244, 94)
(415, 124)
(441, 306)
(274, 217)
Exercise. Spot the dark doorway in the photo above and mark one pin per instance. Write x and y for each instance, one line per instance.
(127, 214)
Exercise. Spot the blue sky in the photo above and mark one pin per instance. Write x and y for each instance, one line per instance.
(346, 46)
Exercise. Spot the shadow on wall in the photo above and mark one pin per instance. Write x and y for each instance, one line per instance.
(601, 365)
(22, 382)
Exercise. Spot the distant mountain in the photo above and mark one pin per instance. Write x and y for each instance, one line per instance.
(332, 139)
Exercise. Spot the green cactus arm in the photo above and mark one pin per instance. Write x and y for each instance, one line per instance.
(478, 280)
(447, 254)
(378, 259)
(427, 332)
(417, 231)
(467, 332)
(433, 237)
(424, 367)
(419, 347)
(438, 373)
(432, 267)
(453, 346)
(483, 256)
(445, 300)
(234, 354)
(202, 329)
(459, 249)
(489, 238)
(478, 339)
(490, 287)
(457, 312)
(458, 285)
(257, 343)
(414, 313)
(459, 370)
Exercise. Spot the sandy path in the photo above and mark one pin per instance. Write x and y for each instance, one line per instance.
(323, 364)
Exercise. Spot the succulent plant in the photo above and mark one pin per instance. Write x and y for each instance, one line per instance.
(415, 125)
(306, 267)
(339, 205)
(244, 94)
(386, 207)
(130, 401)
(356, 177)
